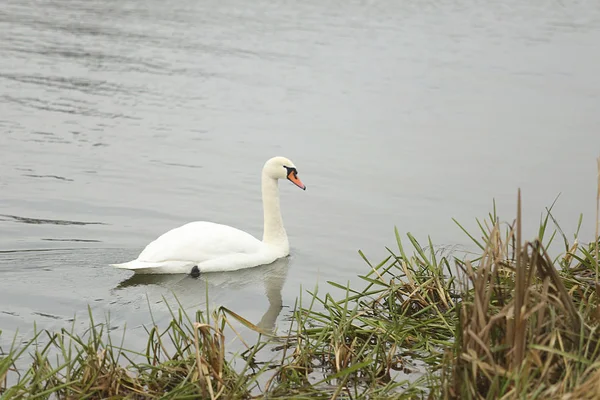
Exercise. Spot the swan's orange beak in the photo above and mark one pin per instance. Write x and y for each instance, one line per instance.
(293, 177)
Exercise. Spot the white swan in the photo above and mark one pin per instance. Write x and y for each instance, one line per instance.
(215, 247)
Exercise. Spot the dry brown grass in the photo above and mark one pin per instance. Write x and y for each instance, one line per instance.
(522, 333)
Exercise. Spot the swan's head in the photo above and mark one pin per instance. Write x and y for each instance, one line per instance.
(283, 168)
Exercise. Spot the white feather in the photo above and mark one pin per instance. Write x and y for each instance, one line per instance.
(210, 246)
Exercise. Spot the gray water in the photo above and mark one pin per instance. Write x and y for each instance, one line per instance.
(122, 119)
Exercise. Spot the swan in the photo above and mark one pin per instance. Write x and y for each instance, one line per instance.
(203, 246)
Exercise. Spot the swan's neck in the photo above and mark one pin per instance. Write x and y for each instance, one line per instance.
(274, 232)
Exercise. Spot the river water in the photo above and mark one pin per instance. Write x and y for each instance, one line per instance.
(122, 119)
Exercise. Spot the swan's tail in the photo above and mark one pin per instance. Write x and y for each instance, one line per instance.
(134, 264)
(162, 267)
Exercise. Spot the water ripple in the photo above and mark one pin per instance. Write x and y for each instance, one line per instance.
(86, 86)
(61, 178)
(26, 220)
(63, 107)
(73, 240)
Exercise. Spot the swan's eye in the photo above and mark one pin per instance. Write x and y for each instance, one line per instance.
(290, 170)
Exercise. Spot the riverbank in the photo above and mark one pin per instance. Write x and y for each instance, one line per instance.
(507, 322)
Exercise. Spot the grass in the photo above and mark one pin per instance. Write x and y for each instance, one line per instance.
(528, 327)
(509, 322)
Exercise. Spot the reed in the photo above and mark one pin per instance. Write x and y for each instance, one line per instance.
(528, 325)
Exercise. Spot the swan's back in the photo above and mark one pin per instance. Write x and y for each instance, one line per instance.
(200, 241)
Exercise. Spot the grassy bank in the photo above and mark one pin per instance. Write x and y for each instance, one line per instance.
(508, 322)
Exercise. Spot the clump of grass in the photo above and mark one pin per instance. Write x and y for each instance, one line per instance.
(521, 330)
(186, 359)
(362, 343)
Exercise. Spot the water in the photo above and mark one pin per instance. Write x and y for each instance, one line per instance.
(122, 119)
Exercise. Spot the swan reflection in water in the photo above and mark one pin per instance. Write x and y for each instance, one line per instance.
(224, 285)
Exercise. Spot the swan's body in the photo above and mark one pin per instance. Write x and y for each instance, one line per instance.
(209, 246)
(215, 247)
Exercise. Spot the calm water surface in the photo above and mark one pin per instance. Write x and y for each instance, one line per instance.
(122, 119)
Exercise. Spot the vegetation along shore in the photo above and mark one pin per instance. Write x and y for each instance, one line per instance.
(508, 322)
